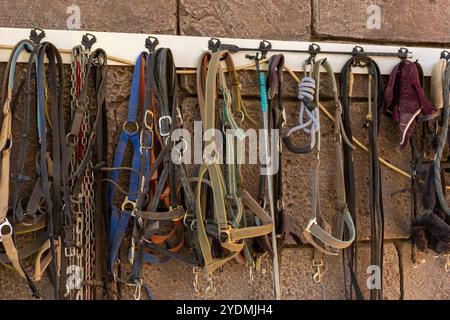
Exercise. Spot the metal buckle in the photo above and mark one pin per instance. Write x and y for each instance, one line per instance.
(169, 120)
(5, 225)
(226, 231)
(148, 124)
(137, 291)
(310, 224)
(179, 117)
(179, 208)
(128, 202)
(144, 147)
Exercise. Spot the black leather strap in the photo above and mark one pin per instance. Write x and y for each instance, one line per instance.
(376, 202)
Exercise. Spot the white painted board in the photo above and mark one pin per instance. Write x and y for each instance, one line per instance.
(187, 50)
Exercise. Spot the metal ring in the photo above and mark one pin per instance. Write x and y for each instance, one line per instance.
(130, 122)
(128, 202)
(5, 229)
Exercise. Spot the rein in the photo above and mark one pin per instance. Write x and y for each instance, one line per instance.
(375, 194)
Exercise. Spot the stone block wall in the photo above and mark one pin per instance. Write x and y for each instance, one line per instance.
(402, 22)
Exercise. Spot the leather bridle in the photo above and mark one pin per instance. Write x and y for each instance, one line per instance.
(6, 228)
(229, 197)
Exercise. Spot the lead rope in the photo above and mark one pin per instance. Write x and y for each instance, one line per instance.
(306, 89)
(308, 110)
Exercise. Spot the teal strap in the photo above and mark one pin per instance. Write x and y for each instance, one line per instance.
(263, 92)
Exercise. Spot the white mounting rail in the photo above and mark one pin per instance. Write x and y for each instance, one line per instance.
(186, 50)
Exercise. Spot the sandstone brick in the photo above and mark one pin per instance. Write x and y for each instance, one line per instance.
(175, 280)
(137, 16)
(401, 21)
(14, 287)
(427, 281)
(286, 20)
(391, 271)
(296, 272)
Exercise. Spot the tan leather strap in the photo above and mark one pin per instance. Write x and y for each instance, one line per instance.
(10, 249)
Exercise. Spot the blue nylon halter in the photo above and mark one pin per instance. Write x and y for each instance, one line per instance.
(120, 219)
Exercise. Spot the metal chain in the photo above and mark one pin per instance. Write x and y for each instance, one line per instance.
(82, 257)
(74, 254)
(87, 190)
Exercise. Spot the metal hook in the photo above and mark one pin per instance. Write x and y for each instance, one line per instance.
(445, 55)
(403, 53)
(88, 41)
(264, 47)
(214, 44)
(358, 51)
(313, 50)
(318, 273)
(151, 43)
(37, 37)
(137, 291)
